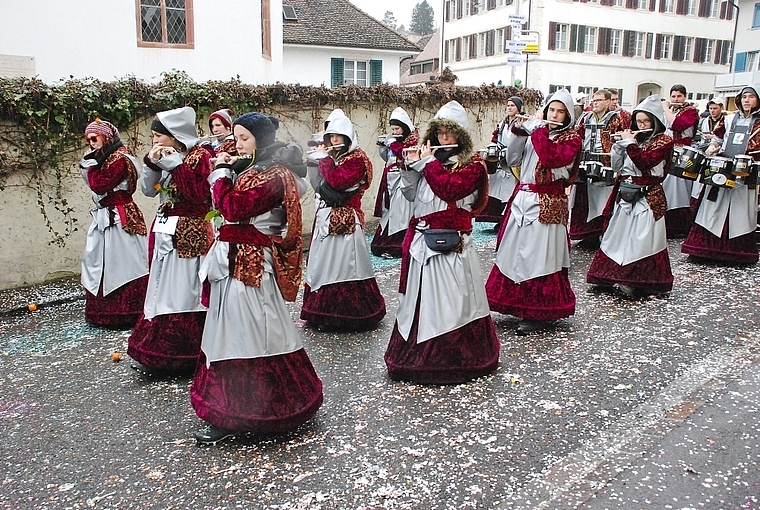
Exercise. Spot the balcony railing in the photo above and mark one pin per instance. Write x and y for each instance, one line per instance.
(733, 80)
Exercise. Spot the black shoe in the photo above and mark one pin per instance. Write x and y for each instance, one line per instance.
(528, 327)
(143, 369)
(626, 291)
(211, 434)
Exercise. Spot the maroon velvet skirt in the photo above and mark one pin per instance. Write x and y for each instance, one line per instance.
(702, 243)
(452, 358)
(545, 298)
(650, 274)
(580, 228)
(120, 309)
(346, 306)
(170, 343)
(678, 222)
(266, 395)
(383, 244)
(494, 211)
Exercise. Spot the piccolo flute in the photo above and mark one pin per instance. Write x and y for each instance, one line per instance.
(542, 120)
(317, 149)
(415, 149)
(618, 135)
(232, 158)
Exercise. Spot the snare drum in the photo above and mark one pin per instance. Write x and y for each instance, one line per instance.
(607, 177)
(742, 165)
(687, 163)
(718, 172)
(594, 170)
(492, 153)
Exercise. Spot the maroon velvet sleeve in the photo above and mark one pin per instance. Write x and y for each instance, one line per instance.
(192, 183)
(687, 119)
(397, 148)
(103, 179)
(453, 185)
(348, 173)
(645, 160)
(239, 205)
(720, 131)
(553, 154)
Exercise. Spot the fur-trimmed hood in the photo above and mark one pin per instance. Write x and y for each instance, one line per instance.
(453, 117)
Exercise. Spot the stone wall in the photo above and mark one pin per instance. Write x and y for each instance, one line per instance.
(28, 257)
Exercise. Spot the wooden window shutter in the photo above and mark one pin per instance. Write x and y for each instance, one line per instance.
(552, 35)
(603, 45)
(627, 43)
(650, 39)
(375, 72)
(723, 9)
(490, 38)
(573, 38)
(741, 62)
(630, 4)
(337, 67)
(704, 6)
(675, 54)
(718, 51)
(657, 46)
(652, 5)
(699, 50)
(581, 47)
(725, 52)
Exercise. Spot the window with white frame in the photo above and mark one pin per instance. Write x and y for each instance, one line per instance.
(589, 43)
(482, 44)
(688, 49)
(355, 72)
(563, 29)
(618, 3)
(714, 8)
(642, 5)
(753, 58)
(499, 48)
(709, 49)
(616, 42)
(666, 46)
(669, 6)
(756, 17)
(691, 7)
(639, 44)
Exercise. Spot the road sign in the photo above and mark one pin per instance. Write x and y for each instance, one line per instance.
(531, 42)
(515, 60)
(518, 18)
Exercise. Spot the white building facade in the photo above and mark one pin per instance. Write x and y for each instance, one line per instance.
(746, 59)
(639, 47)
(59, 39)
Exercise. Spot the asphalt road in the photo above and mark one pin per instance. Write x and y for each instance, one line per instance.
(645, 404)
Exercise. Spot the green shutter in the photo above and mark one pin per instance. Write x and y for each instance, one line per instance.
(375, 72)
(741, 62)
(337, 72)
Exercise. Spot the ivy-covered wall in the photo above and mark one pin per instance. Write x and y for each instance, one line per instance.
(45, 205)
